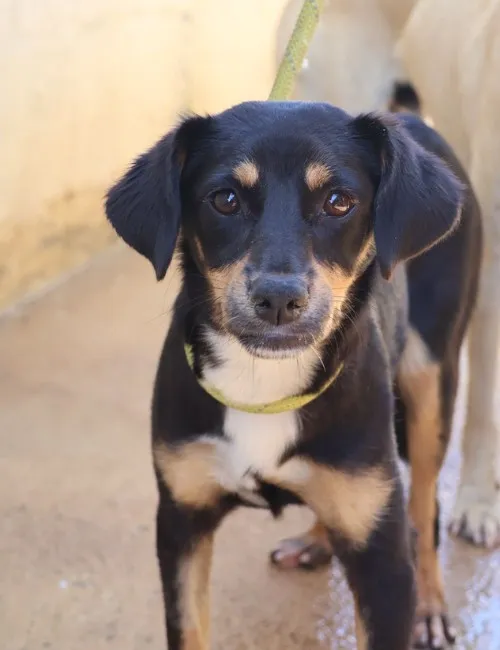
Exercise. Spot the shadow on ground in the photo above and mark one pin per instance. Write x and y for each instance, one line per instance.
(77, 565)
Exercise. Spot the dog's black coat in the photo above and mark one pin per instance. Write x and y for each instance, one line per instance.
(408, 199)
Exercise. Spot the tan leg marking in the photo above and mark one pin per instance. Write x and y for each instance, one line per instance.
(359, 625)
(316, 175)
(189, 471)
(348, 503)
(247, 173)
(419, 381)
(194, 583)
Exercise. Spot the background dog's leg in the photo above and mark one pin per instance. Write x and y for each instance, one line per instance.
(428, 390)
(184, 549)
(476, 515)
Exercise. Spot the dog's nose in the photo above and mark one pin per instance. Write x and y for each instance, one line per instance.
(279, 299)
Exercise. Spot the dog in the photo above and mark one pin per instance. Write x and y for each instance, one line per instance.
(325, 259)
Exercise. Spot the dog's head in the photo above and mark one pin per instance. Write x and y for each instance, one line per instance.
(281, 207)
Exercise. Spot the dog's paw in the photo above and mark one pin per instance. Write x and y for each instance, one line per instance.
(476, 517)
(305, 552)
(432, 628)
(433, 631)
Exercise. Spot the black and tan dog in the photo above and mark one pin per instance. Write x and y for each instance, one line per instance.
(295, 223)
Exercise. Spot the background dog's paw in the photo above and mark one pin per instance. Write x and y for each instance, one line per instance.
(476, 517)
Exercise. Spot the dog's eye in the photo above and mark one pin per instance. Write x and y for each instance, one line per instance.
(337, 204)
(225, 202)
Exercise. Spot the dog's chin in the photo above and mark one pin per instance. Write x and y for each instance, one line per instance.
(276, 346)
(275, 353)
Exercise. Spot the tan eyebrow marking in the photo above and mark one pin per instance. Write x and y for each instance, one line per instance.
(317, 175)
(247, 173)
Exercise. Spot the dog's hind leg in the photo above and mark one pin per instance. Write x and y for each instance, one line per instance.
(310, 550)
(428, 390)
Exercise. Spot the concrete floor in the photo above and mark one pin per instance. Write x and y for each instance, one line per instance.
(77, 564)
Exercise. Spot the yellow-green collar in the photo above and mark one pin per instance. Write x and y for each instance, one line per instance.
(279, 406)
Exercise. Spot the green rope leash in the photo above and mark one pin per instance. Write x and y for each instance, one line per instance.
(296, 49)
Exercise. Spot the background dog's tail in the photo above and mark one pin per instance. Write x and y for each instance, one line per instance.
(404, 99)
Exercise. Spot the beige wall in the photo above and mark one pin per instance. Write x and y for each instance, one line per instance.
(351, 58)
(87, 85)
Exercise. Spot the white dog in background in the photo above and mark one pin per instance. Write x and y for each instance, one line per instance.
(450, 51)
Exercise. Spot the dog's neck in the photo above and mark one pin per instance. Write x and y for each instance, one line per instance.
(242, 377)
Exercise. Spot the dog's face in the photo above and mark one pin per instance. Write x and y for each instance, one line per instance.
(277, 216)
(281, 207)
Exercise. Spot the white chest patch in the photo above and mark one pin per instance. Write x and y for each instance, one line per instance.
(255, 443)
(243, 378)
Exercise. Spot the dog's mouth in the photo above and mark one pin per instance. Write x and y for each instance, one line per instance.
(280, 340)
(276, 343)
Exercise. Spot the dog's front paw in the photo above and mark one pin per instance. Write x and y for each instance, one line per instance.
(476, 516)
(433, 629)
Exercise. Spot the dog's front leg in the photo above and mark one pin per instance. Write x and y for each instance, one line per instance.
(184, 538)
(476, 515)
(381, 577)
(191, 506)
(364, 513)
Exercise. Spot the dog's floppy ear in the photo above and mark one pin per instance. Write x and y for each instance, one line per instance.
(418, 200)
(144, 207)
